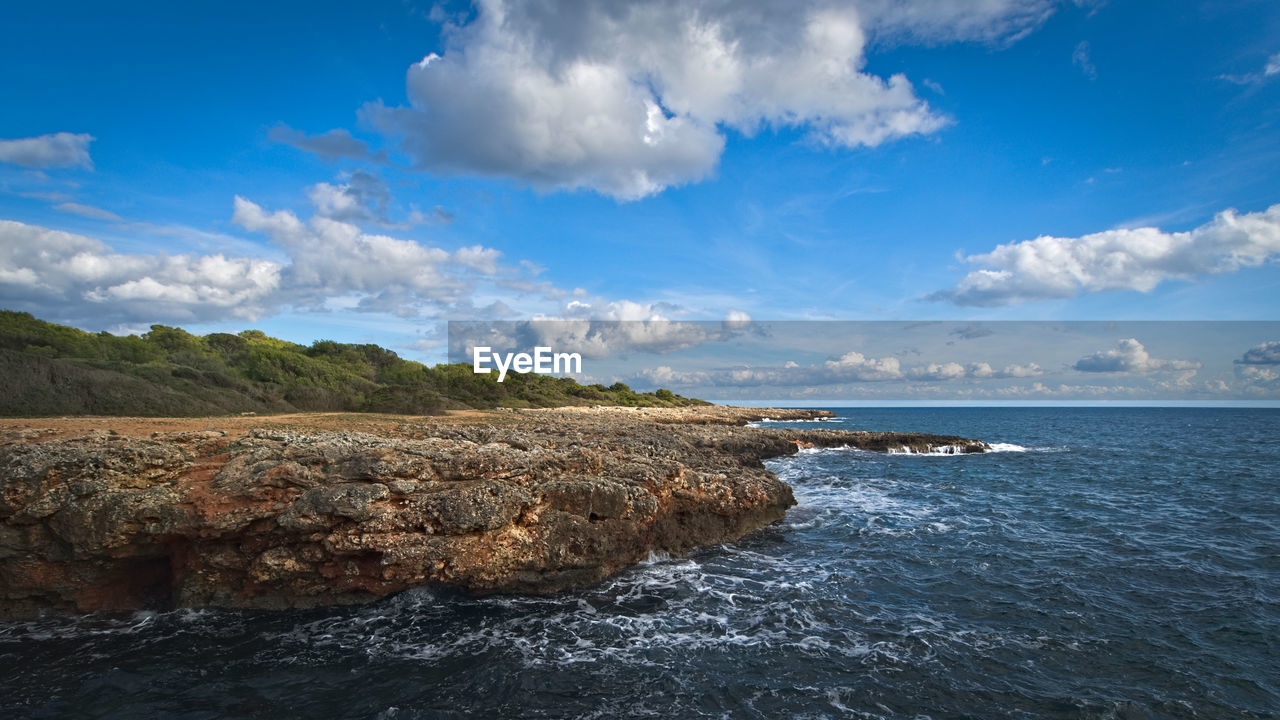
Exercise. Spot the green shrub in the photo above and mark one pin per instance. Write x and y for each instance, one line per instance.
(53, 369)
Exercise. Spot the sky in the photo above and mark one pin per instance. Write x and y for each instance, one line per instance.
(365, 173)
(838, 362)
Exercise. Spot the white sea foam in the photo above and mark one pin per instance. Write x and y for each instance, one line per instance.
(933, 450)
(766, 420)
(654, 615)
(826, 450)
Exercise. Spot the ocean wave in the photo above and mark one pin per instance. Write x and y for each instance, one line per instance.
(934, 450)
(766, 420)
(1000, 447)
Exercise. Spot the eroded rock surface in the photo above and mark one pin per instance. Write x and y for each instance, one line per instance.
(285, 517)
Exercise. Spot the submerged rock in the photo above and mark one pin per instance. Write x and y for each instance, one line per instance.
(527, 502)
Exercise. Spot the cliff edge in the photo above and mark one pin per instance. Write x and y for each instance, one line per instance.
(300, 514)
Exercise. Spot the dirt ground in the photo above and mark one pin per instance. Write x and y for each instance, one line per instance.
(27, 430)
(49, 428)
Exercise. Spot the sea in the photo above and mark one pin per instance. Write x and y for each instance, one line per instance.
(1104, 563)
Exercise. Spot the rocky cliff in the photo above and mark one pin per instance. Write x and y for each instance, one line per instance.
(289, 515)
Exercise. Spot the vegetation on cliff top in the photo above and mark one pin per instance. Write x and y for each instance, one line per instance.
(49, 369)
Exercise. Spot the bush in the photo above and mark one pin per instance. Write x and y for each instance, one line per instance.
(53, 369)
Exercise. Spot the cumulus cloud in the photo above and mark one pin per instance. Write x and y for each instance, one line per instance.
(1258, 370)
(595, 329)
(600, 339)
(79, 278)
(333, 144)
(736, 320)
(850, 367)
(856, 366)
(1256, 377)
(56, 150)
(1019, 371)
(363, 197)
(629, 98)
(599, 329)
(1129, 356)
(1139, 259)
(1267, 353)
(938, 371)
(977, 370)
(332, 257)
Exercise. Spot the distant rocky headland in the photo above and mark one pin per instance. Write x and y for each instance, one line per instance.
(310, 510)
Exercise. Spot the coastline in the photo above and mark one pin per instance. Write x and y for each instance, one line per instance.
(276, 512)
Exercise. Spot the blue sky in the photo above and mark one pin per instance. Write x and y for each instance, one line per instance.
(811, 160)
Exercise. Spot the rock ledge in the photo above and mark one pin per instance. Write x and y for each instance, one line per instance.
(533, 501)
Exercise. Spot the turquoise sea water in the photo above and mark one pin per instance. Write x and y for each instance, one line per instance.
(1109, 563)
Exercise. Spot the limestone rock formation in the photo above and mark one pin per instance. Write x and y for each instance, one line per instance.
(280, 517)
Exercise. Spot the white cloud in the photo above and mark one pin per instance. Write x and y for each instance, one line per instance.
(364, 197)
(478, 258)
(56, 150)
(600, 339)
(1272, 66)
(856, 366)
(852, 367)
(78, 277)
(736, 320)
(1020, 371)
(1267, 353)
(323, 264)
(630, 98)
(976, 370)
(981, 370)
(1255, 375)
(600, 329)
(939, 371)
(331, 257)
(1127, 259)
(1129, 356)
(597, 329)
